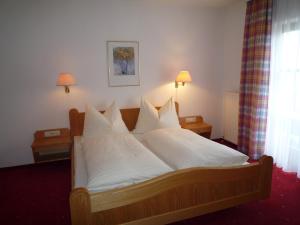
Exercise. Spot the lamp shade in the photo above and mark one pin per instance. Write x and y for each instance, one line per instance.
(65, 79)
(184, 76)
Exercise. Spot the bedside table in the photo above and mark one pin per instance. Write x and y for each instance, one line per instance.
(196, 124)
(51, 145)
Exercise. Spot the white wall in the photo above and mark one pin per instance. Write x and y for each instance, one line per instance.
(41, 38)
(234, 20)
(231, 116)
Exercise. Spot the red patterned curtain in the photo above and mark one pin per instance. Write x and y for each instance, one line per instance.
(254, 84)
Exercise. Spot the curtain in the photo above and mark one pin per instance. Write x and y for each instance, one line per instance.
(283, 131)
(254, 81)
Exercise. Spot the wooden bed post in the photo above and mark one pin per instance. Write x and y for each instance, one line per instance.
(266, 176)
(80, 207)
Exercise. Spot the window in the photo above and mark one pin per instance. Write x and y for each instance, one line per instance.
(283, 129)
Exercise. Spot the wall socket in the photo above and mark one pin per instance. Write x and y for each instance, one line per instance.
(191, 119)
(52, 133)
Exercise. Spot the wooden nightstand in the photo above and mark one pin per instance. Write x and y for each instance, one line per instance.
(196, 124)
(55, 147)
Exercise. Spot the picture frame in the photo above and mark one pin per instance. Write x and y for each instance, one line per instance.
(123, 63)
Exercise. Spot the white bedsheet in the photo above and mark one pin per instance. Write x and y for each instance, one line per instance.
(181, 148)
(80, 176)
(115, 161)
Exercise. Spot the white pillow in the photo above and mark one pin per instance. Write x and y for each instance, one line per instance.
(97, 124)
(151, 119)
(113, 114)
(168, 116)
(148, 118)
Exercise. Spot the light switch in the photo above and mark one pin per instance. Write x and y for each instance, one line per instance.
(191, 119)
(52, 133)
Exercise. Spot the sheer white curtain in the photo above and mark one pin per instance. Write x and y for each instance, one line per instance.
(283, 130)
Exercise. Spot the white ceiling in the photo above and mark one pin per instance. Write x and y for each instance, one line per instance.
(216, 2)
(211, 3)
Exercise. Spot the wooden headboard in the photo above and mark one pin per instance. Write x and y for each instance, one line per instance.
(129, 116)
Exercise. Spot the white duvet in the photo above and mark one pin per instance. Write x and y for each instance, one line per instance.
(118, 160)
(181, 148)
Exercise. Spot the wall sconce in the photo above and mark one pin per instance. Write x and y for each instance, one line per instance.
(183, 77)
(66, 80)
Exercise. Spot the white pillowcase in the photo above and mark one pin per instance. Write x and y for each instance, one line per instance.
(114, 116)
(97, 124)
(168, 116)
(151, 119)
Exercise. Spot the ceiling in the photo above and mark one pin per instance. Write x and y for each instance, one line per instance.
(211, 3)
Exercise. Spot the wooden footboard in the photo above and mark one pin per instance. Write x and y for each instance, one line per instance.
(175, 196)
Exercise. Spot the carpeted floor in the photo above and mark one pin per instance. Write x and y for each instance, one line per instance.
(38, 195)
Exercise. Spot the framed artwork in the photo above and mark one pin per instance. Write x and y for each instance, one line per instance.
(123, 63)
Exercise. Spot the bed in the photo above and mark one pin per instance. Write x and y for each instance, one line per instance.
(171, 197)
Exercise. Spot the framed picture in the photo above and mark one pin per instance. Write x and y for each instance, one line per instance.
(123, 63)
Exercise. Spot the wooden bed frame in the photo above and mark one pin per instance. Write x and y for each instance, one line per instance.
(171, 197)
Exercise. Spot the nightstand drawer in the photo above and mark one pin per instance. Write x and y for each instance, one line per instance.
(46, 149)
(51, 148)
(53, 155)
(199, 127)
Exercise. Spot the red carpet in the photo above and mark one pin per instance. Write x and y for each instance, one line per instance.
(38, 195)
